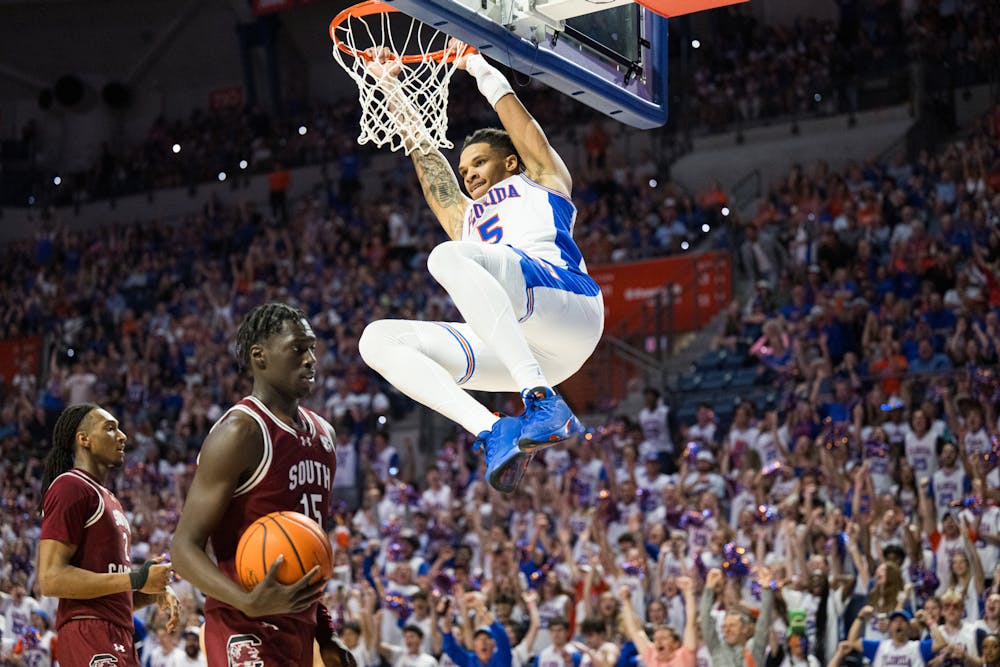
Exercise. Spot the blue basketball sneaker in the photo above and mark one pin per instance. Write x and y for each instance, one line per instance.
(546, 421)
(505, 463)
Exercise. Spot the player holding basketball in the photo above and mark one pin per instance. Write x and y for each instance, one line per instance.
(84, 552)
(532, 314)
(248, 467)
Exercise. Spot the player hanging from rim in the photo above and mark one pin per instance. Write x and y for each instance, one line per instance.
(532, 314)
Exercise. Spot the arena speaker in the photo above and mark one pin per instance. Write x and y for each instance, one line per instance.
(117, 95)
(69, 90)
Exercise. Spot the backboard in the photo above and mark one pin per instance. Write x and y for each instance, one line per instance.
(613, 59)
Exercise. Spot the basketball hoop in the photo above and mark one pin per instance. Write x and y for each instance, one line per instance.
(403, 93)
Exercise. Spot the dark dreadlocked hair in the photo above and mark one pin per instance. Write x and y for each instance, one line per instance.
(60, 457)
(498, 140)
(260, 324)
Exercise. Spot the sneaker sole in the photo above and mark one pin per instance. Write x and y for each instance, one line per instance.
(496, 478)
(569, 429)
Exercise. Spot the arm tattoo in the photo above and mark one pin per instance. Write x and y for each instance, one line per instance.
(438, 179)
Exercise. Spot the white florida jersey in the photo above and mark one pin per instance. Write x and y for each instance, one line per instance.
(537, 222)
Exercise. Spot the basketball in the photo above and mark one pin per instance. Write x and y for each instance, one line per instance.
(295, 536)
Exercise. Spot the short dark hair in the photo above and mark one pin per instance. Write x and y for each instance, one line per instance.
(894, 551)
(497, 139)
(592, 625)
(260, 324)
(352, 625)
(560, 621)
(519, 630)
(414, 629)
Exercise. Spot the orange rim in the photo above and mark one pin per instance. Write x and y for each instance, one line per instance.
(370, 7)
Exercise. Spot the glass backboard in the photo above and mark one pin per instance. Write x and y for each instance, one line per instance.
(613, 59)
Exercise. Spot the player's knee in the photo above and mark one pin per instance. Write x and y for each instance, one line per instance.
(374, 339)
(443, 257)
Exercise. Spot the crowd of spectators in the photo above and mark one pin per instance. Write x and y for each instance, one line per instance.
(765, 72)
(768, 72)
(855, 512)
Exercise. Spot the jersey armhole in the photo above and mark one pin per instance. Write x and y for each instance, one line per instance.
(266, 455)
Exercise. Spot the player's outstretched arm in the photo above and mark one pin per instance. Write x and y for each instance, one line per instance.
(437, 178)
(230, 453)
(441, 190)
(541, 162)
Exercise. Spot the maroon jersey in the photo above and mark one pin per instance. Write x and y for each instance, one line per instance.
(295, 474)
(78, 510)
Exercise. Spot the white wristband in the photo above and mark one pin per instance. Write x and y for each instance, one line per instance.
(492, 84)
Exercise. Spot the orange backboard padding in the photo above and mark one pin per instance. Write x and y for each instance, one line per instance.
(671, 8)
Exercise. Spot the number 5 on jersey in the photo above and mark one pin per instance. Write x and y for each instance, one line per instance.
(490, 230)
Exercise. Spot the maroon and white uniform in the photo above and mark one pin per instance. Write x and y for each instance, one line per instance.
(79, 510)
(295, 474)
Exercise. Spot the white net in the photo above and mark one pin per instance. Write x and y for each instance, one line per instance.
(402, 78)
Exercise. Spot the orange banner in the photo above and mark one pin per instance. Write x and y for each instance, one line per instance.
(15, 351)
(672, 8)
(700, 285)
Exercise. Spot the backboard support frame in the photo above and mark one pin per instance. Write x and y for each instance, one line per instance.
(636, 98)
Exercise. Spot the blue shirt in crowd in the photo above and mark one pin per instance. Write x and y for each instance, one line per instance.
(464, 658)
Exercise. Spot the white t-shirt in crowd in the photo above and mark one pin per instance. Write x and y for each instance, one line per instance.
(896, 431)
(704, 433)
(550, 658)
(156, 656)
(740, 440)
(949, 486)
(890, 655)
(436, 500)
(654, 484)
(878, 466)
(655, 429)
(921, 452)
(978, 442)
(398, 657)
(989, 524)
(548, 610)
(965, 635)
(18, 614)
(769, 447)
(181, 659)
(347, 465)
(364, 656)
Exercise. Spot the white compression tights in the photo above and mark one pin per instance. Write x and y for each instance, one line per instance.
(428, 361)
